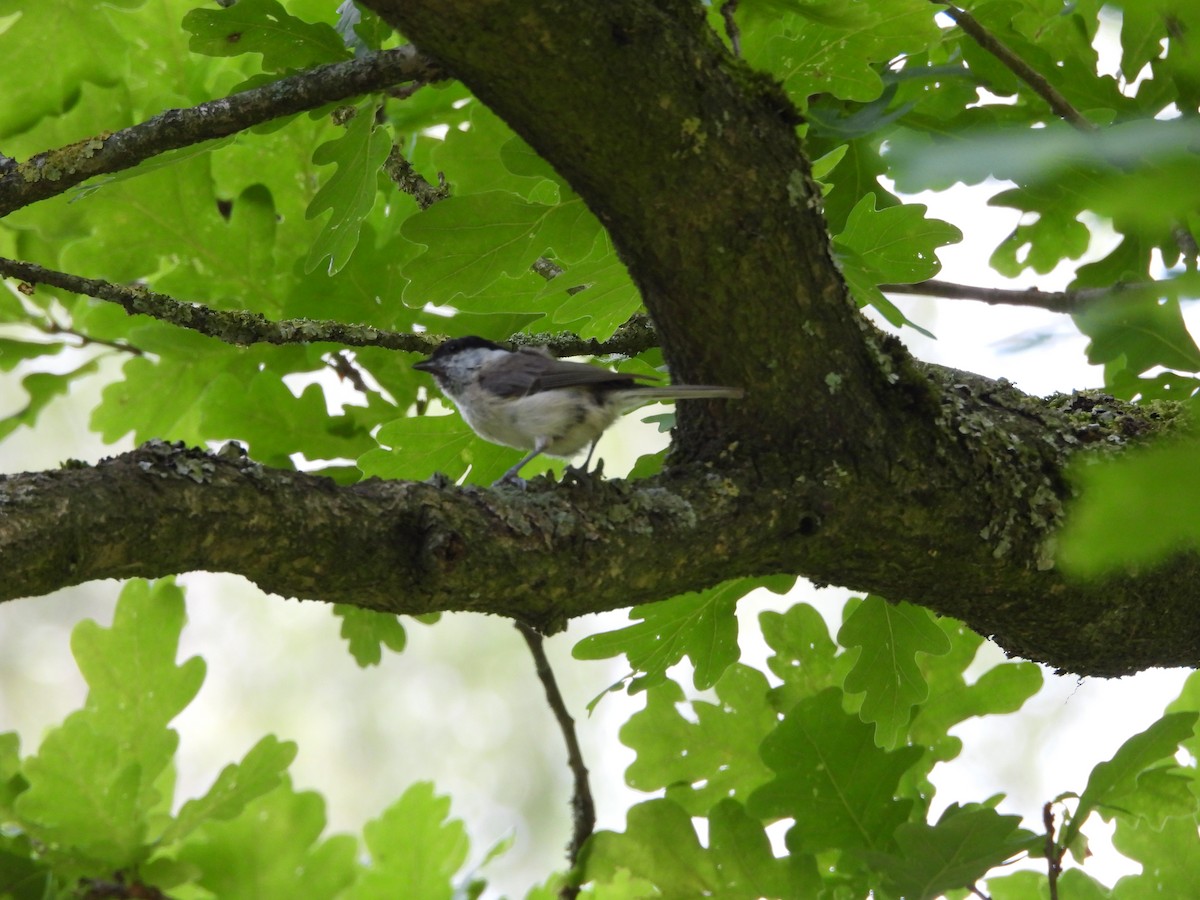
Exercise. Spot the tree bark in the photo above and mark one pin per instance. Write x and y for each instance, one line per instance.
(847, 462)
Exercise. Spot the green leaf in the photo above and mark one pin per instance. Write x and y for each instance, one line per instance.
(804, 653)
(1134, 510)
(272, 850)
(865, 288)
(22, 877)
(1141, 774)
(94, 783)
(12, 782)
(350, 192)
(263, 413)
(475, 239)
(1044, 156)
(660, 845)
(472, 157)
(260, 771)
(263, 26)
(832, 779)
(701, 626)
(889, 637)
(1001, 689)
(832, 47)
(416, 851)
(710, 754)
(368, 632)
(1169, 856)
(166, 225)
(161, 397)
(13, 352)
(137, 650)
(416, 447)
(608, 299)
(955, 853)
(42, 388)
(896, 243)
(746, 866)
(90, 48)
(1143, 328)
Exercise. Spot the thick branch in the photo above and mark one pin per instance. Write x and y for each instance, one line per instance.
(554, 553)
(847, 462)
(55, 171)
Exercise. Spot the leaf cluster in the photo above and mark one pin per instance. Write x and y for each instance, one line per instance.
(93, 809)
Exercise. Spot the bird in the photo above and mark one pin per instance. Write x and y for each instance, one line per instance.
(525, 398)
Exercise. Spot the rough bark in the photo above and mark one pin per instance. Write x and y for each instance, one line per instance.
(847, 462)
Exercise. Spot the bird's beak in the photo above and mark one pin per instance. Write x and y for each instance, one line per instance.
(425, 365)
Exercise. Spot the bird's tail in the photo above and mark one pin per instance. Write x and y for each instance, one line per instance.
(650, 393)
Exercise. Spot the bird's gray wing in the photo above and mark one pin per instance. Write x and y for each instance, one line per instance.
(562, 374)
(531, 370)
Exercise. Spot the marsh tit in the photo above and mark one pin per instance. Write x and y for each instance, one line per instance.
(529, 400)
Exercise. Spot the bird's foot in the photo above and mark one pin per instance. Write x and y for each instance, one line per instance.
(511, 479)
(582, 477)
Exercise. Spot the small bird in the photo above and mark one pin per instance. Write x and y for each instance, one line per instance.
(529, 400)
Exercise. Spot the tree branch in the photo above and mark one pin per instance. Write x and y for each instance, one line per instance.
(845, 456)
(582, 807)
(242, 327)
(412, 182)
(552, 553)
(54, 171)
(1036, 81)
(1070, 301)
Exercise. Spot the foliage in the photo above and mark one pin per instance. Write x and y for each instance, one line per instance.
(807, 777)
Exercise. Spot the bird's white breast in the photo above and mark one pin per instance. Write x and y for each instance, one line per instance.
(568, 419)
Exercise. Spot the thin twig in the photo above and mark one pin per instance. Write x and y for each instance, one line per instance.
(344, 367)
(1036, 81)
(1054, 854)
(50, 326)
(412, 182)
(54, 171)
(728, 9)
(241, 327)
(233, 326)
(582, 807)
(1071, 301)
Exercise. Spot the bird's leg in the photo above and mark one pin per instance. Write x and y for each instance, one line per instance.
(511, 476)
(588, 458)
(579, 474)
